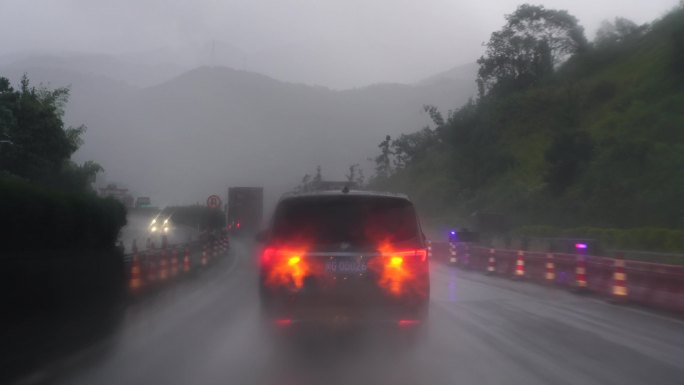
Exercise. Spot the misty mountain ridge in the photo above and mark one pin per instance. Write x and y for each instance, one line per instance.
(345, 67)
(465, 72)
(213, 127)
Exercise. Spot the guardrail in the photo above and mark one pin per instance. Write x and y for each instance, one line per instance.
(651, 284)
(153, 268)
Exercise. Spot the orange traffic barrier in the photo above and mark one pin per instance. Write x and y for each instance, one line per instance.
(174, 262)
(466, 256)
(520, 264)
(186, 261)
(453, 258)
(135, 281)
(580, 273)
(163, 266)
(619, 279)
(151, 264)
(491, 264)
(550, 274)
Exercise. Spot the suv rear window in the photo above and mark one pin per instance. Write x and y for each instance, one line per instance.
(361, 221)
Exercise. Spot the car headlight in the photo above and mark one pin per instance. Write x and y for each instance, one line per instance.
(153, 229)
(166, 229)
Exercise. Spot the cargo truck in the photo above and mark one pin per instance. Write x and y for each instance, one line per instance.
(245, 210)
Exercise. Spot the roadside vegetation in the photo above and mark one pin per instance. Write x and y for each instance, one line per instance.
(565, 132)
(46, 199)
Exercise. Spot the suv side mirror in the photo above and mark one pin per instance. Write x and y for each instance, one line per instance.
(261, 236)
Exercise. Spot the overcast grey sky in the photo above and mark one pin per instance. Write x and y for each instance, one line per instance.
(426, 35)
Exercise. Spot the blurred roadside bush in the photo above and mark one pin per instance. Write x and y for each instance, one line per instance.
(646, 238)
(42, 219)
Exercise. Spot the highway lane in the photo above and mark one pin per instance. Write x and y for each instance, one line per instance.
(482, 330)
(137, 228)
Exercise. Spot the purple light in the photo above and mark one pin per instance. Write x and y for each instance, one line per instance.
(580, 245)
(453, 232)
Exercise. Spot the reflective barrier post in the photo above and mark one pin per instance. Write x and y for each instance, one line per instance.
(619, 289)
(491, 264)
(163, 272)
(466, 256)
(580, 273)
(453, 258)
(135, 281)
(204, 260)
(550, 275)
(174, 262)
(151, 264)
(520, 265)
(186, 261)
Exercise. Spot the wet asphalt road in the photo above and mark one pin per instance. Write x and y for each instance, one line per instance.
(482, 330)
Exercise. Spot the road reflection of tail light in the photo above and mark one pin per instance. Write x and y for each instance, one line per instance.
(284, 267)
(408, 322)
(283, 322)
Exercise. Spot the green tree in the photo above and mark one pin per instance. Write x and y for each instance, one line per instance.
(305, 184)
(355, 175)
(383, 162)
(618, 31)
(567, 157)
(678, 50)
(411, 147)
(318, 178)
(35, 144)
(533, 41)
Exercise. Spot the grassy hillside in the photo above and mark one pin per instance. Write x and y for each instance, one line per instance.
(600, 142)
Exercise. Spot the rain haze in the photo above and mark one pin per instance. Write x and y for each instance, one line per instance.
(302, 192)
(339, 76)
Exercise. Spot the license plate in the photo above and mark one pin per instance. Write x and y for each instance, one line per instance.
(346, 266)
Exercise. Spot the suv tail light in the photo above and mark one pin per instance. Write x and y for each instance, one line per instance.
(401, 271)
(284, 267)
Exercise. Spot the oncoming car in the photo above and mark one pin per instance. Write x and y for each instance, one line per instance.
(344, 257)
(160, 225)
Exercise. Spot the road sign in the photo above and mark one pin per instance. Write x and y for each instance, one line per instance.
(214, 202)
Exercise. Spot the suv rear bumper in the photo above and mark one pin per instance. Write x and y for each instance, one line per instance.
(307, 310)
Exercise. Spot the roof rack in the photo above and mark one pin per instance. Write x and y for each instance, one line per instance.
(339, 192)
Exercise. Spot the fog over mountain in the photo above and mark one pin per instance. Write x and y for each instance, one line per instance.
(213, 127)
(183, 99)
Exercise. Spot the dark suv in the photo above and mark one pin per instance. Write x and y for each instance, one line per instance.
(349, 256)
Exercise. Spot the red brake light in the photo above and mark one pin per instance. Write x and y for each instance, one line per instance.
(284, 267)
(400, 271)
